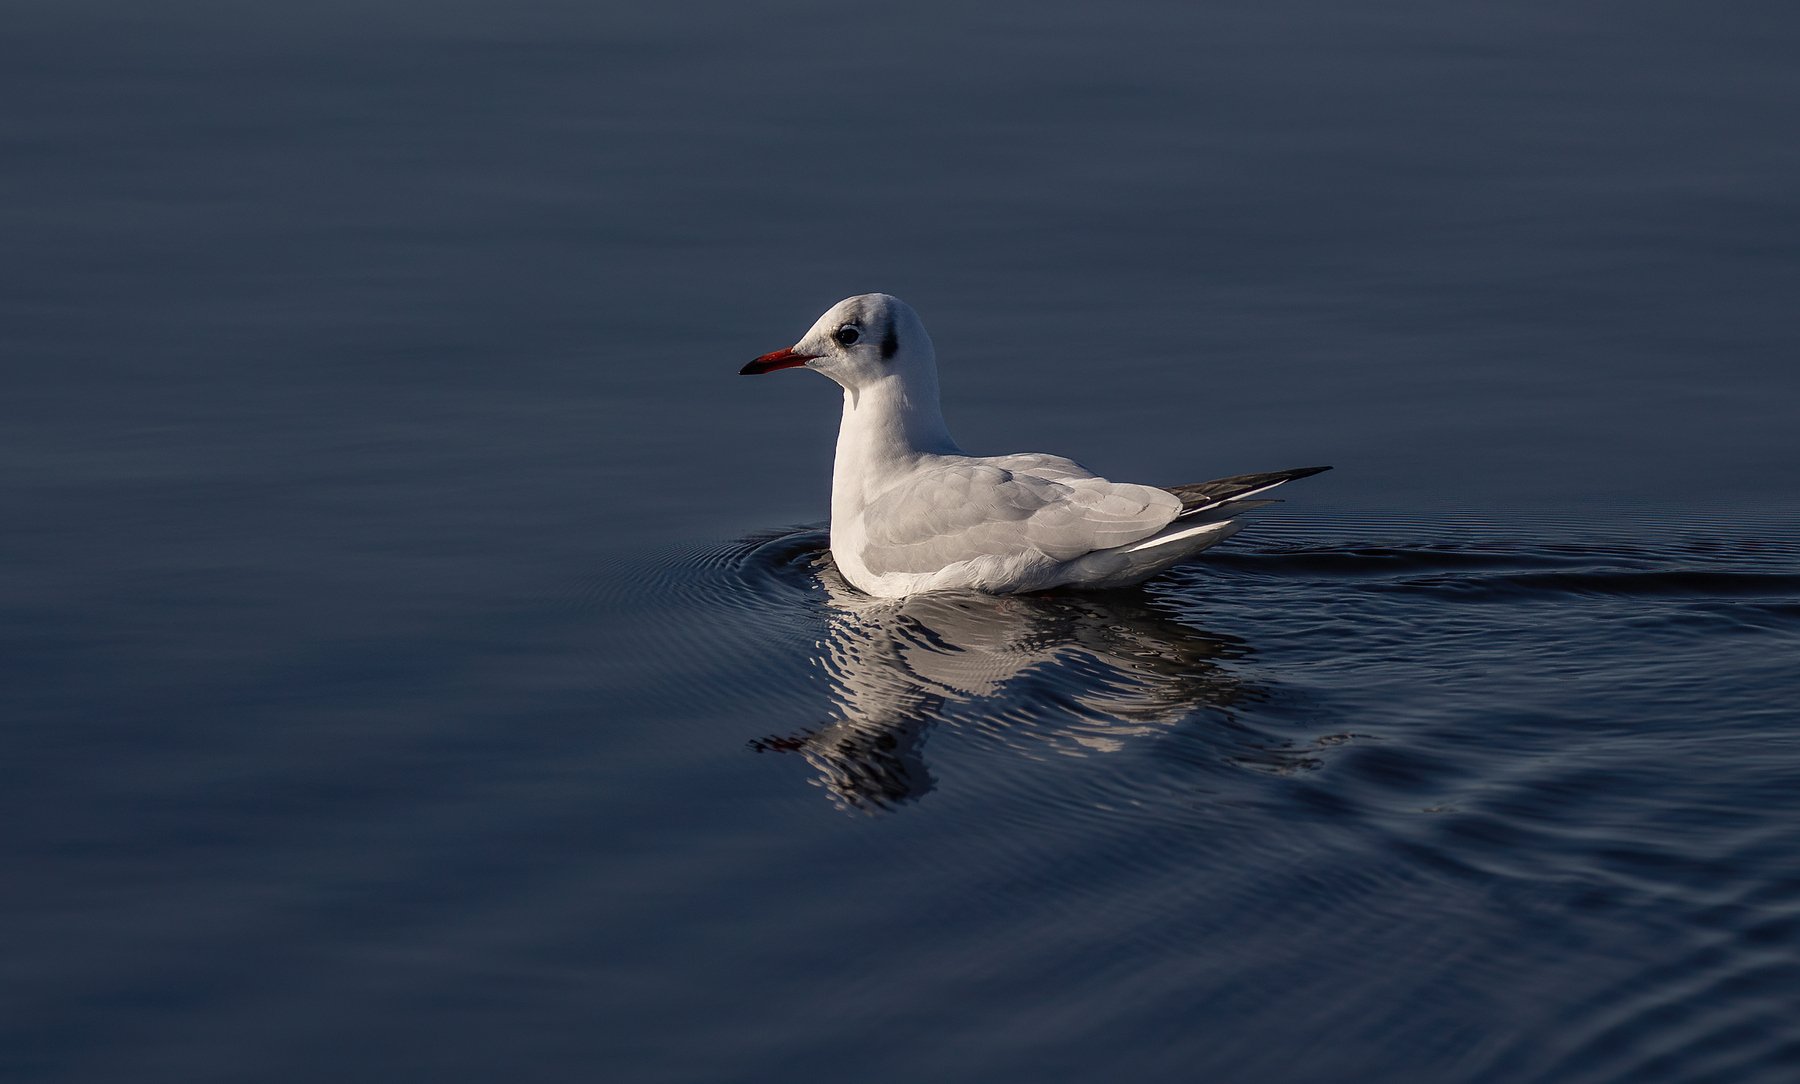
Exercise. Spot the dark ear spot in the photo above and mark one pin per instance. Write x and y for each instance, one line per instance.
(890, 343)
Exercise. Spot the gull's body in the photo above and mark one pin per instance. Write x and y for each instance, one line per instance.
(911, 512)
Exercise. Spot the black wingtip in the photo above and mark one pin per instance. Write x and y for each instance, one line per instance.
(1203, 495)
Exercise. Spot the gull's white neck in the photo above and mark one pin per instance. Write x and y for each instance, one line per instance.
(887, 426)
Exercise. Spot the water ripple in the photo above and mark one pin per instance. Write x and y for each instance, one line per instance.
(1149, 671)
(1397, 731)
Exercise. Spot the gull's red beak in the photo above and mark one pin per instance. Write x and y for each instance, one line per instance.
(780, 359)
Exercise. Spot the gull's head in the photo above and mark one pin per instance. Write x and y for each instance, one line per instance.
(860, 341)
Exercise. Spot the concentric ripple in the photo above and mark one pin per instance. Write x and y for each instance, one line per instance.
(1459, 758)
(1085, 674)
(1566, 742)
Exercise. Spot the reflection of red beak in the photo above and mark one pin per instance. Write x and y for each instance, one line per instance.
(780, 359)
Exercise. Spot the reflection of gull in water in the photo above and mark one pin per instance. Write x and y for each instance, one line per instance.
(1073, 674)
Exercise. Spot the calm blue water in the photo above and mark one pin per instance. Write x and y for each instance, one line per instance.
(420, 659)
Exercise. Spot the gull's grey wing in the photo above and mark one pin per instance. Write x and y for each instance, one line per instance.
(967, 508)
(1040, 465)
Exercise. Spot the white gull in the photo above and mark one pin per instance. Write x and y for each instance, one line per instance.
(911, 512)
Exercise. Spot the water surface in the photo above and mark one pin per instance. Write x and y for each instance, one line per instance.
(421, 657)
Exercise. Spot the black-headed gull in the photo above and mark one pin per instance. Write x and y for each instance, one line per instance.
(911, 512)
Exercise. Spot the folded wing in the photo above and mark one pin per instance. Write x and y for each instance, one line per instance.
(1014, 507)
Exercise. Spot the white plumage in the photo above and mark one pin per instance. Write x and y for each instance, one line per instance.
(911, 512)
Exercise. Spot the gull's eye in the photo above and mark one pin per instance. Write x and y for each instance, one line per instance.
(846, 335)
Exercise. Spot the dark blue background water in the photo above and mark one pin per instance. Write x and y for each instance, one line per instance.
(420, 657)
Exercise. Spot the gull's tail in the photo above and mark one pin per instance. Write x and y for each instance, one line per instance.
(1207, 518)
